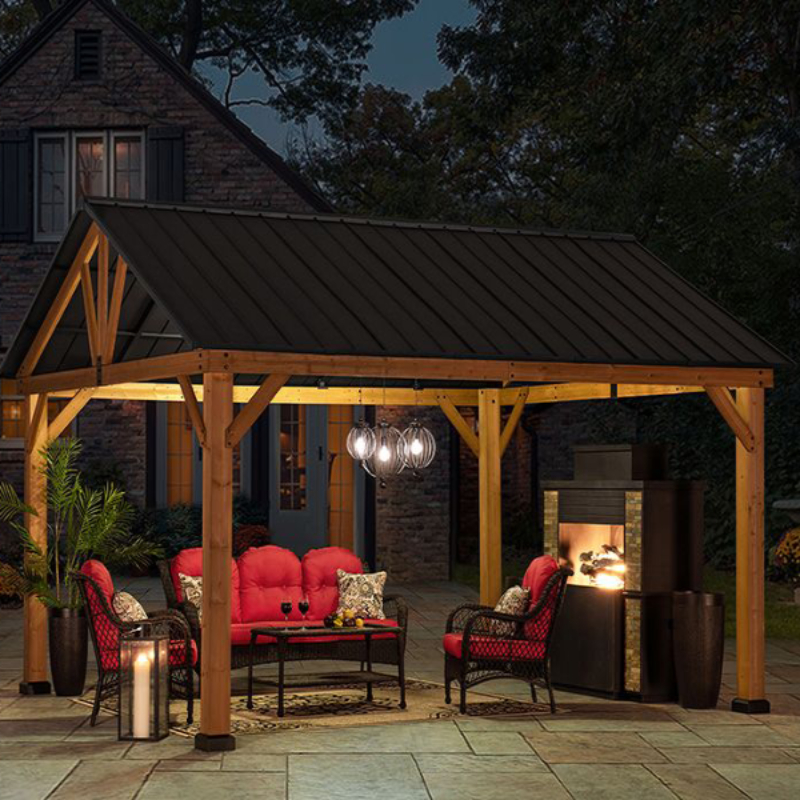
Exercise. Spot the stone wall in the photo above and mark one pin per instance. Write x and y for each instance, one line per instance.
(413, 514)
(134, 91)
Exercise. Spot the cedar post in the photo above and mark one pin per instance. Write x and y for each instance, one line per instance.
(215, 709)
(750, 695)
(34, 670)
(491, 538)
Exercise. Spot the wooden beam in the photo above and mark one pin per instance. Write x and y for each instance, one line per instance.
(750, 689)
(34, 660)
(290, 395)
(193, 408)
(513, 420)
(482, 369)
(254, 408)
(215, 710)
(489, 491)
(102, 293)
(114, 310)
(69, 412)
(89, 312)
(61, 302)
(459, 423)
(727, 407)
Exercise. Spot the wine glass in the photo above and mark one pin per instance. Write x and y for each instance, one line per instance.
(303, 606)
(286, 608)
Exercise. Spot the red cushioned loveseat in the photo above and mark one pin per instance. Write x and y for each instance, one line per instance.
(261, 579)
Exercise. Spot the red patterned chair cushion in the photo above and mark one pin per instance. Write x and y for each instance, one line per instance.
(487, 648)
(539, 572)
(190, 562)
(268, 576)
(320, 581)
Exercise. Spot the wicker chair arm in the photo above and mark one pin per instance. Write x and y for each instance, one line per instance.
(460, 615)
(394, 606)
(191, 615)
(166, 583)
(177, 623)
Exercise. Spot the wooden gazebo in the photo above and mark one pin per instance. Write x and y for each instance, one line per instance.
(219, 308)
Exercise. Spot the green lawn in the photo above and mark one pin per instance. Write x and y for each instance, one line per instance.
(782, 616)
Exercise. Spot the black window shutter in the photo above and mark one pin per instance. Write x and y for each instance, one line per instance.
(15, 186)
(165, 165)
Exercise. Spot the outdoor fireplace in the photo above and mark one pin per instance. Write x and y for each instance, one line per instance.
(632, 537)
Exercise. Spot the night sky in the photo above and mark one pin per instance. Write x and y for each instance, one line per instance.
(403, 57)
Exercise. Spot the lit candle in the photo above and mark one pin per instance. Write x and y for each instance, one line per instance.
(141, 697)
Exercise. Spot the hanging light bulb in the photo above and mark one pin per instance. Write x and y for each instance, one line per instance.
(388, 457)
(361, 441)
(420, 446)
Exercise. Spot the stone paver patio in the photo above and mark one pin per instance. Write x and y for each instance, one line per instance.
(600, 750)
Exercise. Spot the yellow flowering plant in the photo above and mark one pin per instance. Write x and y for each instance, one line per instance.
(787, 555)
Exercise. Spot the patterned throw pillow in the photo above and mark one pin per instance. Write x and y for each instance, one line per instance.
(127, 607)
(192, 590)
(514, 601)
(363, 594)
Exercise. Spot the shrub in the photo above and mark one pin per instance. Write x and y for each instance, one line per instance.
(787, 555)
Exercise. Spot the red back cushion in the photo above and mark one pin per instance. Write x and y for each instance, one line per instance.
(537, 575)
(319, 577)
(99, 573)
(190, 562)
(269, 575)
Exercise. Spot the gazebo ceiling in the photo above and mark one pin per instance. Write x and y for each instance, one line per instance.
(327, 285)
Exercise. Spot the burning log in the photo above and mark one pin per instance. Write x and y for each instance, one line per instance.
(604, 568)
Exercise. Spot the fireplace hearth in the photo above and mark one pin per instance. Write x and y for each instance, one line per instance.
(632, 537)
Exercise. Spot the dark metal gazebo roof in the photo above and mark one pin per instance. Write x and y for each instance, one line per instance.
(240, 280)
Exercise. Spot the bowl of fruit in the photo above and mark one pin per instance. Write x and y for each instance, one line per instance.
(346, 618)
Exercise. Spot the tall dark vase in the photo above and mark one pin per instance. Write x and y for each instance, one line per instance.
(68, 650)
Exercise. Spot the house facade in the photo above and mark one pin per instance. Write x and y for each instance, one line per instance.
(92, 106)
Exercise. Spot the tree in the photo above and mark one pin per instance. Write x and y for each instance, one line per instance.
(675, 121)
(309, 53)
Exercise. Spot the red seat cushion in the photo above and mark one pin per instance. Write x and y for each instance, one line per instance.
(319, 577)
(490, 649)
(177, 655)
(268, 576)
(99, 573)
(190, 562)
(240, 634)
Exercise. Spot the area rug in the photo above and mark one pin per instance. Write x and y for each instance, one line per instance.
(345, 706)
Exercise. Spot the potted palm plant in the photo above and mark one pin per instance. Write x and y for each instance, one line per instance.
(82, 523)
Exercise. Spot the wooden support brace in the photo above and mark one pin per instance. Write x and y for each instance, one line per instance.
(460, 424)
(102, 293)
(726, 405)
(69, 412)
(114, 310)
(193, 408)
(90, 312)
(61, 302)
(254, 408)
(513, 420)
(35, 422)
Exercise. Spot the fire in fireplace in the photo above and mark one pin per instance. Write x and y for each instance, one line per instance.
(631, 537)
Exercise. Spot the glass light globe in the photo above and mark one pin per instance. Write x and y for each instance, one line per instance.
(420, 446)
(388, 457)
(361, 441)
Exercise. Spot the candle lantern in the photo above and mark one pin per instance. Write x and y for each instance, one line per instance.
(144, 684)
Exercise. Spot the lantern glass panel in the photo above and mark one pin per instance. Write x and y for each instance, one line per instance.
(144, 685)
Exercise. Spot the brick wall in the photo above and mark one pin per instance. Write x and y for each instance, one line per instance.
(134, 92)
(413, 514)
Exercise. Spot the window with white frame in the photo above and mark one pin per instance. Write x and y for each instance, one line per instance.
(70, 165)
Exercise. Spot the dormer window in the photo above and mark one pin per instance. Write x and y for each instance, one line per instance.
(87, 55)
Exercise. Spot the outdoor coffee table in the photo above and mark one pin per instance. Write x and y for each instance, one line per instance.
(302, 637)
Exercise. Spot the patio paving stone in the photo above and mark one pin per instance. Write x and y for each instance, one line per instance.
(673, 739)
(37, 730)
(387, 777)
(107, 750)
(494, 786)
(498, 743)
(764, 783)
(253, 762)
(32, 780)
(214, 786)
(175, 747)
(499, 725)
(695, 783)
(593, 748)
(727, 755)
(732, 736)
(607, 723)
(609, 782)
(437, 762)
(110, 780)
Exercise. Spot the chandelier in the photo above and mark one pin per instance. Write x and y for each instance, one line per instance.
(389, 456)
(420, 446)
(361, 441)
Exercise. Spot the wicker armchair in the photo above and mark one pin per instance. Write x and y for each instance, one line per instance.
(106, 628)
(482, 644)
